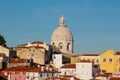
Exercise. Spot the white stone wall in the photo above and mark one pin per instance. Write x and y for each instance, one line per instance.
(68, 71)
(84, 70)
(39, 75)
(57, 60)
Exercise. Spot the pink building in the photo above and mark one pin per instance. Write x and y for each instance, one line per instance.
(16, 73)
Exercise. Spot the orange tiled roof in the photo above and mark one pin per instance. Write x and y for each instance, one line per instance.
(90, 54)
(18, 68)
(17, 60)
(115, 78)
(28, 69)
(85, 60)
(103, 75)
(37, 42)
(62, 78)
(37, 47)
(2, 75)
(69, 66)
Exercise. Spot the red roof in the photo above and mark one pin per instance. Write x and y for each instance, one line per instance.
(17, 60)
(103, 75)
(90, 54)
(28, 69)
(115, 78)
(62, 78)
(2, 75)
(37, 42)
(88, 61)
(69, 66)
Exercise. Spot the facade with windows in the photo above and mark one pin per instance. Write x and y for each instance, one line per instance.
(62, 38)
(36, 50)
(29, 73)
(108, 61)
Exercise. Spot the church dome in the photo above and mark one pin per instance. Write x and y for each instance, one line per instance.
(62, 32)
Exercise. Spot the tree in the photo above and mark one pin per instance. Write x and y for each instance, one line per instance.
(2, 41)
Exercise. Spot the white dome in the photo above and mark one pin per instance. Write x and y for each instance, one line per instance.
(62, 32)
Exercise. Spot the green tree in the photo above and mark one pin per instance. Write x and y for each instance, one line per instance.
(2, 41)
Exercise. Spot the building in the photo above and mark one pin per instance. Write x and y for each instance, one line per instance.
(3, 61)
(95, 58)
(37, 50)
(8, 52)
(110, 61)
(14, 62)
(57, 60)
(68, 69)
(84, 70)
(62, 39)
(29, 73)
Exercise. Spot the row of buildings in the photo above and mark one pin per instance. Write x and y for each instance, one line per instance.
(38, 60)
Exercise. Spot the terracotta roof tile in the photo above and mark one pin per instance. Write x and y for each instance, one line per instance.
(90, 54)
(88, 61)
(29, 69)
(69, 66)
(37, 42)
(62, 78)
(17, 60)
(103, 75)
(115, 78)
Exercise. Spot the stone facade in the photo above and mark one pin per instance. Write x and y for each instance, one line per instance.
(35, 53)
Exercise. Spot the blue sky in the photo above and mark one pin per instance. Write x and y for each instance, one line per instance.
(95, 24)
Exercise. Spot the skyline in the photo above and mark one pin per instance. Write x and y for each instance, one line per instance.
(94, 24)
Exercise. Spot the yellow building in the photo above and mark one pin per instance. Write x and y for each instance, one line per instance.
(92, 57)
(109, 61)
(117, 62)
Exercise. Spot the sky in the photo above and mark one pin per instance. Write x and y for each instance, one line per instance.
(95, 24)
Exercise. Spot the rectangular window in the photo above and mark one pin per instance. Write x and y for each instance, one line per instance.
(104, 60)
(97, 60)
(40, 74)
(92, 60)
(110, 60)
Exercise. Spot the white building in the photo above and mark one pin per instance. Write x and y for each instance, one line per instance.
(62, 38)
(68, 69)
(37, 74)
(57, 60)
(84, 70)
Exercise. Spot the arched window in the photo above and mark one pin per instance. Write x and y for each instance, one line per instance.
(60, 45)
(68, 46)
(53, 43)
